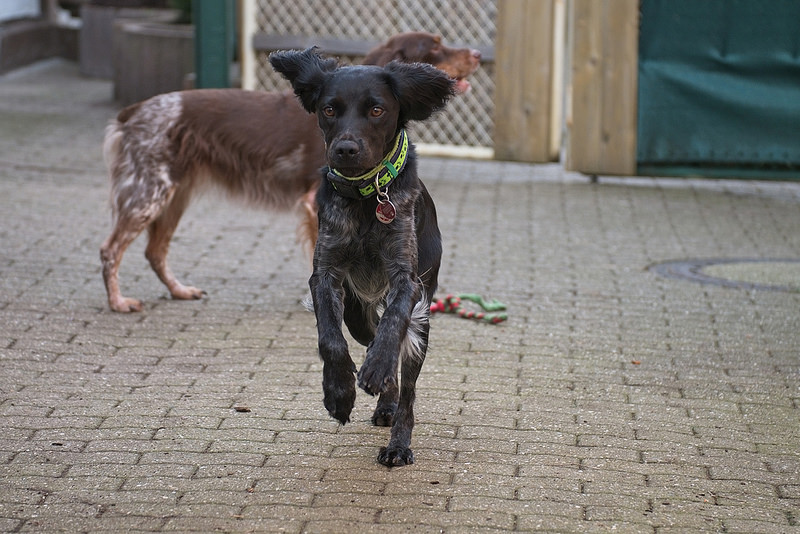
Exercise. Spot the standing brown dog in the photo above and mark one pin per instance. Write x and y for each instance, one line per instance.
(259, 147)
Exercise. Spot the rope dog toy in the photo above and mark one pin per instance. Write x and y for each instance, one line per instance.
(454, 304)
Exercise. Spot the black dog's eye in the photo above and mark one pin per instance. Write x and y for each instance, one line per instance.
(328, 111)
(376, 111)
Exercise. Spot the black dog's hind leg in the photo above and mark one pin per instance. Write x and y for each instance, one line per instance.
(379, 370)
(361, 321)
(398, 451)
(338, 370)
(386, 408)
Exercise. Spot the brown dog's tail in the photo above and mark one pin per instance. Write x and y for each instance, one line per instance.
(111, 143)
(112, 149)
(308, 229)
(113, 138)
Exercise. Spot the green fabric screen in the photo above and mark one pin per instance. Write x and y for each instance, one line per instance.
(719, 84)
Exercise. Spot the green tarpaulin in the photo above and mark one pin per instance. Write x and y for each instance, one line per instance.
(719, 84)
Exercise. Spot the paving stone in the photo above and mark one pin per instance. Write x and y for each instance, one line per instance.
(612, 400)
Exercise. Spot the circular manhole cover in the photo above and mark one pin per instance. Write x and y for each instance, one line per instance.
(742, 273)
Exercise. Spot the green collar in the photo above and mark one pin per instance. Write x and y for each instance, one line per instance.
(363, 186)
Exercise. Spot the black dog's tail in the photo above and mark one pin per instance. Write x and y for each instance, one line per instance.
(415, 343)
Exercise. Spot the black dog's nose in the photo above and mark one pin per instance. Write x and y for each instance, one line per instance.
(347, 148)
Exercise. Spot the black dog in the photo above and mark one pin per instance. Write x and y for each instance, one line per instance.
(379, 245)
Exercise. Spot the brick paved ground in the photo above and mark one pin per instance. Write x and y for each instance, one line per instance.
(612, 400)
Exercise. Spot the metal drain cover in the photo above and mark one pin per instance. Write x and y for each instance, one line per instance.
(771, 274)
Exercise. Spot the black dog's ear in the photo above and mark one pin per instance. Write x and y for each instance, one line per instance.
(306, 71)
(421, 89)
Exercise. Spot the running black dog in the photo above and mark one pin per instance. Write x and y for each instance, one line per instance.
(379, 246)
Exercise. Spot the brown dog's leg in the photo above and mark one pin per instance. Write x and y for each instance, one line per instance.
(125, 231)
(160, 233)
(134, 214)
(309, 226)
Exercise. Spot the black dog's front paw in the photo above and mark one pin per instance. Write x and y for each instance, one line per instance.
(384, 415)
(376, 375)
(339, 387)
(395, 456)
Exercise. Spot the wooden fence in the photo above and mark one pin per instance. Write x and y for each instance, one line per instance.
(563, 84)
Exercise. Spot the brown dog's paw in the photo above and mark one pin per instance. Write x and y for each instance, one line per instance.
(182, 292)
(126, 305)
(395, 456)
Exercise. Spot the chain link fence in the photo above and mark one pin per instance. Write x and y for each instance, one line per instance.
(467, 121)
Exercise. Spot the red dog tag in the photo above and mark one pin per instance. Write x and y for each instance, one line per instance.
(385, 212)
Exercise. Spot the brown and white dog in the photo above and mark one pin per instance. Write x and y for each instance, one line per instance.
(260, 147)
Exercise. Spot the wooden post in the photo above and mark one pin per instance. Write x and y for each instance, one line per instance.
(523, 80)
(601, 114)
(247, 54)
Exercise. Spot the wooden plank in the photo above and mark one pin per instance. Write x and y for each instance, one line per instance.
(557, 78)
(96, 33)
(601, 117)
(582, 116)
(621, 43)
(150, 59)
(247, 29)
(523, 80)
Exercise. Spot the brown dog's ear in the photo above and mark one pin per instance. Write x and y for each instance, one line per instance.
(421, 89)
(306, 71)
